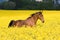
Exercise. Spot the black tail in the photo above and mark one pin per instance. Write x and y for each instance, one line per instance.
(11, 23)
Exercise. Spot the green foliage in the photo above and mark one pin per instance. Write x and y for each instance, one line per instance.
(28, 5)
(7, 5)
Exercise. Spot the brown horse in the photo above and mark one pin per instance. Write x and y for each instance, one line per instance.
(30, 21)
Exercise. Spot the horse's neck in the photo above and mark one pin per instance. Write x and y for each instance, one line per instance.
(35, 19)
(32, 19)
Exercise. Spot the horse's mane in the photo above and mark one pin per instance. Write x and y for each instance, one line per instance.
(32, 15)
(36, 13)
(28, 17)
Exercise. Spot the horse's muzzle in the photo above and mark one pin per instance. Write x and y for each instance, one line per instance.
(42, 21)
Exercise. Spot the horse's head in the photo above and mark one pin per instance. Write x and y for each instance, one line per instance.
(40, 16)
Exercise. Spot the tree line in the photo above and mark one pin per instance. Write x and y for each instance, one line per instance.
(28, 5)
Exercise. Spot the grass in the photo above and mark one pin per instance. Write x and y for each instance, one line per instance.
(50, 30)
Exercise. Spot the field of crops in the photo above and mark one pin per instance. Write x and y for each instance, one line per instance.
(50, 30)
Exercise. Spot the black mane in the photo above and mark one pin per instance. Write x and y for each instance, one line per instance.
(28, 17)
(32, 14)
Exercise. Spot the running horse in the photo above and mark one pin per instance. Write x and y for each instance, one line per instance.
(30, 21)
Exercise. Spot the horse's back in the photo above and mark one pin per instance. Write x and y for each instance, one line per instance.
(20, 23)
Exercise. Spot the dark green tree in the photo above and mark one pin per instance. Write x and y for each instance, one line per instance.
(9, 5)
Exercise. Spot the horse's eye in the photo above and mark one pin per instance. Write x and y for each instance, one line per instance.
(39, 13)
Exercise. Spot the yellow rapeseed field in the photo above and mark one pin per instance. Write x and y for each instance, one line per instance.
(50, 30)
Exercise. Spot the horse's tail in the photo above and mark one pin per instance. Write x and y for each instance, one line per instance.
(11, 23)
